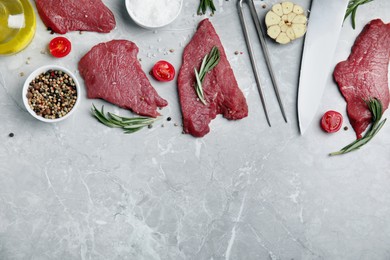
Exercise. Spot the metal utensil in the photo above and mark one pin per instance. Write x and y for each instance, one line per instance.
(324, 26)
(260, 34)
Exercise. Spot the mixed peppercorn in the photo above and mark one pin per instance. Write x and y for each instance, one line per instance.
(52, 94)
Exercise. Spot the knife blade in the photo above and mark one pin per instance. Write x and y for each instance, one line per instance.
(323, 30)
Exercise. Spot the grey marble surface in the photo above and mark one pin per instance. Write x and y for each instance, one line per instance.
(80, 190)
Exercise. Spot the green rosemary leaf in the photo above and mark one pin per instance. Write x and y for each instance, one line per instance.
(213, 52)
(96, 112)
(353, 18)
(379, 126)
(130, 131)
(202, 67)
(133, 126)
(200, 8)
(212, 6)
(136, 121)
(198, 88)
(376, 109)
(129, 125)
(352, 9)
(208, 63)
(204, 4)
(133, 119)
(115, 117)
(101, 117)
(213, 59)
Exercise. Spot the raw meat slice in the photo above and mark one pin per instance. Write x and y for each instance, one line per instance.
(220, 87)
(76, 15)
(364, 74)
(112, 72)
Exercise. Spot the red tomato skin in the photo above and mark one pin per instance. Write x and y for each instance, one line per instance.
(60, 47)
(331, 121)
(163, 71)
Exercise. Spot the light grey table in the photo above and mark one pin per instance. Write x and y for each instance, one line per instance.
(80, 190)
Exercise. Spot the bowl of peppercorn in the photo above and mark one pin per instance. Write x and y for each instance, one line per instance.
(51, 93)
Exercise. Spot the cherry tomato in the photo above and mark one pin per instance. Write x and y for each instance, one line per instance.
(163, 71)
(60, 47)
(331, 121)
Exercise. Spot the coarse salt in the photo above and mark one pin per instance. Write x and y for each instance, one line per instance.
(154, 13)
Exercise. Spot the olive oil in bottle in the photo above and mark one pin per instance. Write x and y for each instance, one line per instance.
(17, 25)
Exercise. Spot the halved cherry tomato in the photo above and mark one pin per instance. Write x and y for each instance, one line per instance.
(331, 121)
(60, 47)
(163, 71)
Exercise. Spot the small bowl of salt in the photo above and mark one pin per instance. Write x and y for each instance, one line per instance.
(153, 14)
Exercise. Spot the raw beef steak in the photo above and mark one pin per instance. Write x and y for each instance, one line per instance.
(364, 74)
(112, 72)
(63, 16)
(220, 87)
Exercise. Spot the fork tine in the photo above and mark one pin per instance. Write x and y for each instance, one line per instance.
(260, 33)
(252, 59)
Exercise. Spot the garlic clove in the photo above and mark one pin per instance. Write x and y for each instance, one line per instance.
(287, 7)
(273, 31)
(272, 18)
(283, 38)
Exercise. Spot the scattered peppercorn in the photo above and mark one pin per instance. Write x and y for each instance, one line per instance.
(345, 128)
(51, 30)
(236, 52)
(11, 135)
(169, 119)
(52, 94)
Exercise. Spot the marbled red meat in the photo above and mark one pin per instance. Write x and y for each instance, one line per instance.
(63, 16)
(220, 87)
(364, 74)
(112, 72)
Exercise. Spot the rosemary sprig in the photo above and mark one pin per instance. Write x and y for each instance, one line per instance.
(208, 63)
(203, 7)
(352, 8)
(129, 125)
(376, 109)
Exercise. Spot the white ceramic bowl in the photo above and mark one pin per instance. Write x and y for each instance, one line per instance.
(144, 24)
(36, 73)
